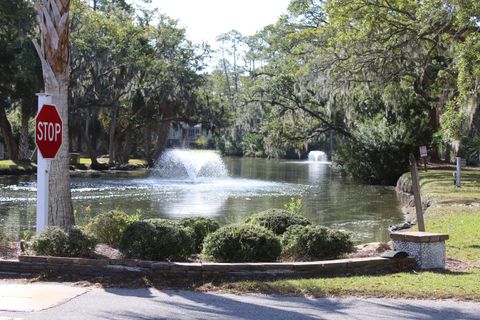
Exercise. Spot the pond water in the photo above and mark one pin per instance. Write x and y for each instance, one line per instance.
(252, 185)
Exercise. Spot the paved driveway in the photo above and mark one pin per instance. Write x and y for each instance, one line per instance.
(115, 304)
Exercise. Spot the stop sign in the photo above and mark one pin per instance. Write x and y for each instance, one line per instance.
(48, 131)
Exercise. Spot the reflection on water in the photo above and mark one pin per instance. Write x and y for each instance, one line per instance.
(253, 185)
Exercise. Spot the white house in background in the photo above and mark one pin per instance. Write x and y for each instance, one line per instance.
(2, 151)
(186, 136)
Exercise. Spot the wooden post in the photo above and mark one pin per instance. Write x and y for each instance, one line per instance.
(43, 172)
(416, 193)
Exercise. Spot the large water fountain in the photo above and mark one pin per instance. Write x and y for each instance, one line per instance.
(192, 165)
(317, 156)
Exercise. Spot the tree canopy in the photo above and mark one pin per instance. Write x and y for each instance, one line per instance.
(367, 80)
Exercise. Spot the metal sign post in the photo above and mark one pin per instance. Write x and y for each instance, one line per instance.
(43, 168)
(458, 173)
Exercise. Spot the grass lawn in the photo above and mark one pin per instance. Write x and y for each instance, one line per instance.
(11, 167)
(455, 211)
(133, 162)
(7, 166)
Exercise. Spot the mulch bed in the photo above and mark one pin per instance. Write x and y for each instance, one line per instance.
(9, 250)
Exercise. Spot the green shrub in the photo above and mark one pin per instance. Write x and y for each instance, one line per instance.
(241, 243)
(57, 242)
(294, 205)
(379, 150)
(314, 242)
(79, 244)
(108, 227)
(201, 227)
(277, 220)
(157, 239)
(252, 143)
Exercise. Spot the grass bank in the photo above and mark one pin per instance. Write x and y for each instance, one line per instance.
(455, 211)
(133, 162)
(8, 167)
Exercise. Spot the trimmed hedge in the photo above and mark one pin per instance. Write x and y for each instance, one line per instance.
(314, 242)
(201, 227)
(157, 239)
(277, 220)
(63, 243)
(241, 243)
(108, 227)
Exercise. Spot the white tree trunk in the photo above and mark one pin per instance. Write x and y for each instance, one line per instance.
(54, 53)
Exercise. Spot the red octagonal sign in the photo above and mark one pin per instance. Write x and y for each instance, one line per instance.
(48, 131)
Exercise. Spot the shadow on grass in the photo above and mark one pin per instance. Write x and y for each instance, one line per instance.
(447, 272)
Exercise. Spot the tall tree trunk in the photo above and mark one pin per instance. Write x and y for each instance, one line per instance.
(24, 153)
(448, 151)
(147, 144)
(6, 130)
(79, 137)
(91, 152)
(434, 123)
(54, 53)
(229, 89)
(124, 147)
(161, 140)
(113, 128)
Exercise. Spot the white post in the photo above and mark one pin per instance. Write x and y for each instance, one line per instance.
(458, 173)
(43, 168)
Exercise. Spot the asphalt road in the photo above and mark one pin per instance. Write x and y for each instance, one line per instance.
(146, 304)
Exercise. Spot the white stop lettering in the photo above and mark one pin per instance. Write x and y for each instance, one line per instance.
(48, 131)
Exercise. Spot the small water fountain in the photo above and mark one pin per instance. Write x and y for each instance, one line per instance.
(191, 165)
(317, 156)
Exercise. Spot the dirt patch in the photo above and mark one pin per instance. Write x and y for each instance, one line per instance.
(373, 249)
(456, 265)
(103, 251)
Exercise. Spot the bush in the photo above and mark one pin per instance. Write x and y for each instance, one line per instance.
(277, 220)
(295, 205)
(241, 243)
(252, 143)
(57, 242)
(379, 150)
(108, 227)
(314, 242)
(201, 227)
(157, 239)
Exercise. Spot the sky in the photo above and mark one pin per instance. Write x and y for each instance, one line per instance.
(204, 20)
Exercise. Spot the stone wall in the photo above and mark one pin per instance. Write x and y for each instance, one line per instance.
(201, 271)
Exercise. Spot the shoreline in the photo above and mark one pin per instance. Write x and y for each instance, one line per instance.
(404, 193)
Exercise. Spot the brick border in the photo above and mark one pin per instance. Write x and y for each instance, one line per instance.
(202, 271)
